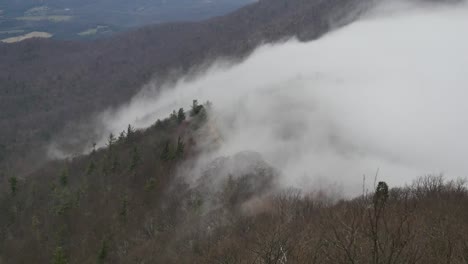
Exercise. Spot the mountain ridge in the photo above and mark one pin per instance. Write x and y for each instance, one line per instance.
(56, 83)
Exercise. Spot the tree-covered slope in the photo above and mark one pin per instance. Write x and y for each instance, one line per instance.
(142, 199)
(48, 84)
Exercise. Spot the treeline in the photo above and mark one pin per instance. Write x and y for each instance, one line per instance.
(136, 201)
(423, 223)
(67, 209)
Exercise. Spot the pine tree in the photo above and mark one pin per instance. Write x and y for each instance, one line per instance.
(158, 123)
(13, 185)
(130, 133)
(59, 256)
(181, 115)
(122, 136)
(102, 252)
(90, 168)
(173, 116)
(381, 194)
(195, 108)
(180, 148)
(135, 159)
(124, 209)
(110, 142)
(202, 115)
(165, 154)
(114, 164)
(64, 178)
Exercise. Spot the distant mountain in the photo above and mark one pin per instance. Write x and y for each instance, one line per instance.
(85, 19)
(47, 84)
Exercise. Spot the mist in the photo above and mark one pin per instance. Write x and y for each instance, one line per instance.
(387, 93)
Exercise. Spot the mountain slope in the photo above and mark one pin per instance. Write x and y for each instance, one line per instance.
(47, 84)
(139, 200)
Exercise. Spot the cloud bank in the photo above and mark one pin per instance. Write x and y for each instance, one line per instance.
(388, 92)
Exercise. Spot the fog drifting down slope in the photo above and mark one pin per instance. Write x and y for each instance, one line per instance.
(387, 92)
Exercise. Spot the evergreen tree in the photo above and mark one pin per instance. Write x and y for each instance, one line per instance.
(64, 178)
(199, 119)
(122, 136)
(195, 108)
(104, 164)
(110, 142)
(181, 115)
(102, 252)
(130, 133)
(13, 185)
(59, 256)
(202, 115)
(90, 168)
(173, 116)
(165, 154)
(158, 123)
(114, 164)
(135, 159)
(180, 148)
(381, 194)
(124, 208)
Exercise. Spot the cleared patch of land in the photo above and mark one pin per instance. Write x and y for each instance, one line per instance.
(34, 34)
(91, 31)
(43, 18)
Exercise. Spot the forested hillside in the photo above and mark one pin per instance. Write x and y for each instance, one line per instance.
(85, 19)
(47, 84)
(139, 200)
(214, 183)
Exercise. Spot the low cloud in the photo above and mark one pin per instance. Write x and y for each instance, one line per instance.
(387, 93)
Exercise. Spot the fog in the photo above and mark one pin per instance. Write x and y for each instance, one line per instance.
(387, 93)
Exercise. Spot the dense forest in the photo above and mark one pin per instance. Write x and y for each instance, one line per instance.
(138, 200)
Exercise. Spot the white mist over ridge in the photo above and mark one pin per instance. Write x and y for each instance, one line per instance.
(387, 93)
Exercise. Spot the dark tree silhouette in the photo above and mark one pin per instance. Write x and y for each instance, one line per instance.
(180, 148)
(13, 185)
(181, 115)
